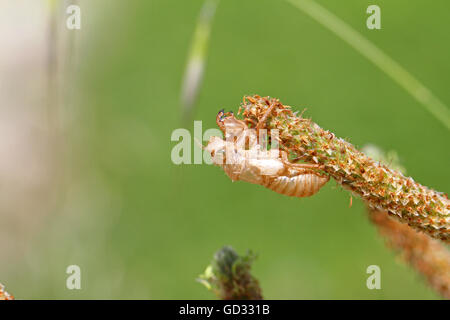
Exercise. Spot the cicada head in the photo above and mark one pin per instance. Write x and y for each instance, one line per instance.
(231, 127)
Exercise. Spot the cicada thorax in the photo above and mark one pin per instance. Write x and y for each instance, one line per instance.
(300, 185)
(246, 165)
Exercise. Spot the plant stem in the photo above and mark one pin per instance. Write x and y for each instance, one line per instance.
(381, 187)
(229, 276)
(193, 76)
(429, 257)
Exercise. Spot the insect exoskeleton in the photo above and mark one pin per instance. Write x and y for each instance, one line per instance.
(300, 185)
(241, 164)
(242, 158)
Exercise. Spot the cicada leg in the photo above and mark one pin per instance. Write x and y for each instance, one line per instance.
(286, 162)
(262, 121)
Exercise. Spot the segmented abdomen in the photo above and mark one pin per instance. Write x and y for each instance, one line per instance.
(303, 185)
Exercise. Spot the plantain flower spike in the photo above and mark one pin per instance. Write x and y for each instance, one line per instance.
(229, 276)
(381, 187)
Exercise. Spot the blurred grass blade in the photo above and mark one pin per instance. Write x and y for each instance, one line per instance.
(197, 58)
(366, 48)
(52, 64)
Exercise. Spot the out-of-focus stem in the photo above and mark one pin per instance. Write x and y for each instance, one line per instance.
(380, 187)
(196, 63)
(428, 256)
(52, 66)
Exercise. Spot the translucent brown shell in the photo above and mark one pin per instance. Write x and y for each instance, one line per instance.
(302, 185)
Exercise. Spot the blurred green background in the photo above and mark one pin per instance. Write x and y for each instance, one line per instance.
(141, 227)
